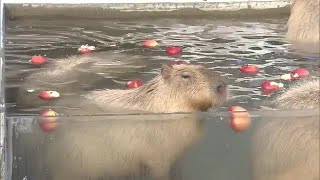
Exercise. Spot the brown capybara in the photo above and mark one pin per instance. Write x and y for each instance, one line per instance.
(133, 146)
(287, 147)
(303, 24)
(179, 88)
(71, 75)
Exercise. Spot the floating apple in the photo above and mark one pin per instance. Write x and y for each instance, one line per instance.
(48, 121)
(240, 118)
(271, 85)
(38, 60)
(299, 73)
(86, 49)
(150, 43)
(295, 74)
(134, 84)
(249, 69)
(173, 50)
(49, 95)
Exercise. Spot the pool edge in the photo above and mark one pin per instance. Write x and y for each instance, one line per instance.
(113, 11)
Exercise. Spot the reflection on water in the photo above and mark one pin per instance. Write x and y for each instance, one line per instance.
(193, 146)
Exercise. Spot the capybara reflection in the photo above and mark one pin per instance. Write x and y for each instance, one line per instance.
(303, 24)
(287, 148)
(129, 146)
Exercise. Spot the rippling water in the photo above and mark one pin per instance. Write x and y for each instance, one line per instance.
(222, 45)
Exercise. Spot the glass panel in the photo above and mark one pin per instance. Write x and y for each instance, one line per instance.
(183, 146)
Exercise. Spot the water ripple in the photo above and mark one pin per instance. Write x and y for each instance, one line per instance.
(220, 45)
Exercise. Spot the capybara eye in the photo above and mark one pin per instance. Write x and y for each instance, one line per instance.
(185, 75)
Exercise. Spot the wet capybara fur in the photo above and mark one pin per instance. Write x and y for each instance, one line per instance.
(133, 146)
(287, 148)
(303, 24)
(73, 75)
(179, 88)
(63, 75)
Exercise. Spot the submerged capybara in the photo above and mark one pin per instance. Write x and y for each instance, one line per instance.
(303, 24)
(71, 75)
(133, 146)
(287, 147)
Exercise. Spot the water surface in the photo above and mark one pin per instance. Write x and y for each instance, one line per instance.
(222, 45)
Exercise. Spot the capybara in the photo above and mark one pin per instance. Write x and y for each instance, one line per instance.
(71, 75)
(133, 146)
(287, 147)
(303, 24)
(179, 88)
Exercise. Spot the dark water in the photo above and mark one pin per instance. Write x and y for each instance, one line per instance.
(220, 45)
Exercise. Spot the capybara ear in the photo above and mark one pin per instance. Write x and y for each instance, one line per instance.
(166, 70)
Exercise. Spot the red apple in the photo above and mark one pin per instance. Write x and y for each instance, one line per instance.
(49, 95)
(240, 118)
(48, 121)
(270, 85)
(295, 74)
(299, 73)
(134, 84)
(86, 49)
(38, 60)
(150, 43)
(249, 69)
(173, 50)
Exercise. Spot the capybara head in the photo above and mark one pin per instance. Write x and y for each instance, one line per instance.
(178, 88)
(195, 86)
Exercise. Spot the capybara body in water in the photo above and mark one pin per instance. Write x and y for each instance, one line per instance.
(303, 24)
(180, 88)
(71, 75)
(287, 148)
(123, 145)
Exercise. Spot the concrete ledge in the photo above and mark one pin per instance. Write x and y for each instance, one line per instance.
(150, 10)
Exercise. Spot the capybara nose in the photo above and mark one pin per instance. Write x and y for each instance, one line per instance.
(221, 88)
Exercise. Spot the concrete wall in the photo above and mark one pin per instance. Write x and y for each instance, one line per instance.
(110, 9)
